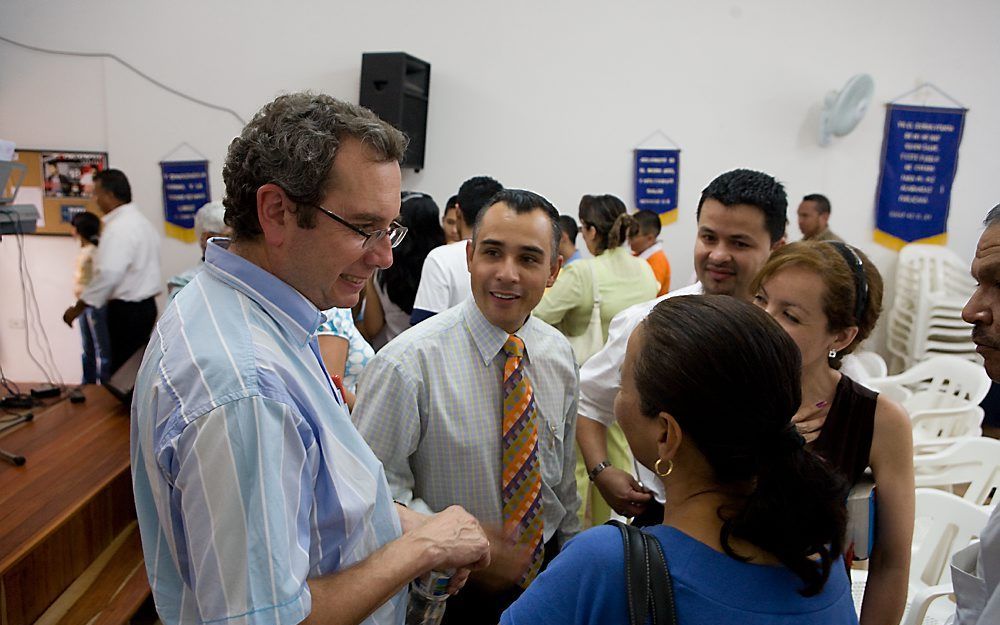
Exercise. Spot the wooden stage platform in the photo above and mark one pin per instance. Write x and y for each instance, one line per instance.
(69, 543)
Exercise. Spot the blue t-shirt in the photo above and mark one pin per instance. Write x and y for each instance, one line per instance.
(586, 584)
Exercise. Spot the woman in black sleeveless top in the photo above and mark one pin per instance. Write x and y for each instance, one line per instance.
(828, 296)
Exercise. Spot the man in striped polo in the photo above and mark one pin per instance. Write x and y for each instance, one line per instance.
(258, 500)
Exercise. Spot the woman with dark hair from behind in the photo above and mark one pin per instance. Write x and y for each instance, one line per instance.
(754, 523)
(390, 293)
(828, 296)
(96, 356)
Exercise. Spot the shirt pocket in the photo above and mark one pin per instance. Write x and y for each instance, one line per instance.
(970, 588)
(550, 443)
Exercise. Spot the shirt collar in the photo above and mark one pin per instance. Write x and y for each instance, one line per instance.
(291, 310)
(649, 251)
(120, 210)
(490, 339)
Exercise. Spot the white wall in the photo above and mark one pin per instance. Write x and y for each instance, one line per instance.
(547, 96)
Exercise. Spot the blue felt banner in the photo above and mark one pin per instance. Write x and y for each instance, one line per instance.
(919, 161)
(657, 173)
(185, 190)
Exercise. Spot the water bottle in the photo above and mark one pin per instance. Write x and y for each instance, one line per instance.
(428, 595)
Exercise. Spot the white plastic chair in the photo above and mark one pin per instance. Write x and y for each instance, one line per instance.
(891, 390)
(972, 461)
(942, 397)
(871, 363)
(938, 318)
(942, 271)
(914, 341)
(952, 525)
(931, 288)
(959, 422)
(950, 376)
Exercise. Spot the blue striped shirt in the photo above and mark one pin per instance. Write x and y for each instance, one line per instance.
(249, 477)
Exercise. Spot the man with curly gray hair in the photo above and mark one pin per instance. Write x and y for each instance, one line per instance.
(258, 500)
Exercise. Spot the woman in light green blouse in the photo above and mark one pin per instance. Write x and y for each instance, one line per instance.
(622, 280)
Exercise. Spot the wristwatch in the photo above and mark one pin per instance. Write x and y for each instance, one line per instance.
(604, 464)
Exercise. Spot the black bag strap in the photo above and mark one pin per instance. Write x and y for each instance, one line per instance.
(636, 573)
(662, 587)
(647, 578)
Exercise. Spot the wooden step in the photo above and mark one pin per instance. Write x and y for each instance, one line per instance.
(110, 590)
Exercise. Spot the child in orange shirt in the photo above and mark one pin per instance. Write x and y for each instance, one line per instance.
(642, 240)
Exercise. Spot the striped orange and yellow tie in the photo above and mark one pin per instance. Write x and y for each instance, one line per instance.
(522, 473)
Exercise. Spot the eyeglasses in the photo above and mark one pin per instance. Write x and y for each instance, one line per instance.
(395, 232)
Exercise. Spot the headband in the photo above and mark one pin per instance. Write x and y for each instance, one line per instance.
(860, 281)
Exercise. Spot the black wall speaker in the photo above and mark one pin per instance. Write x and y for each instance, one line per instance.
(396, 87)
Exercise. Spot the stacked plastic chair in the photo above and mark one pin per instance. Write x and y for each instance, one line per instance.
(971, 463)
(942, 396)
(932, 286)
(944, 524)
(949, 524)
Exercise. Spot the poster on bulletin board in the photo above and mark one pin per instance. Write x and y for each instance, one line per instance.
(918, 166)
(60, 184)
(185, 190)
(656, 176)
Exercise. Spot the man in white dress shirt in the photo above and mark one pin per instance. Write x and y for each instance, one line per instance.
(126, 269)
(741, 219)
(444, 280)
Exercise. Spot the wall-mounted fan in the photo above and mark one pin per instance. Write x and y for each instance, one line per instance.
(842, 110)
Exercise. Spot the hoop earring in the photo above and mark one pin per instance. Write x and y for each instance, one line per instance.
(833, 353)
(670, 467)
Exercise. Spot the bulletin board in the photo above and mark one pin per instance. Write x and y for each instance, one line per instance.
(60, 184)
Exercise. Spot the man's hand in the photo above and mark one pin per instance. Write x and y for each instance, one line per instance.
(810, 418)
(509, 561)
(451, 539)
(73, 312)
(454, 539)
(622, 492)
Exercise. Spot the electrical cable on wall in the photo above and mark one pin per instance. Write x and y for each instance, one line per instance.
(27, 286)
(33, 318)
(108, 55)
(33, 321)
(10, 385)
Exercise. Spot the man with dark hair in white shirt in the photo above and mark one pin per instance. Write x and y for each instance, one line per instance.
(126, 269)
(741, 219)
(444, 280)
